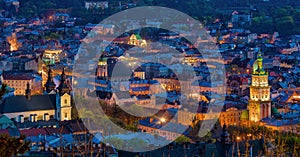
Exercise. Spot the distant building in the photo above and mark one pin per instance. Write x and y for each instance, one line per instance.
(23, 63)
(229, 116)
(19, 79)
(51, 56)
(240, 17)
(96, 5)
(169, 84)
(61, 16)
(139, 73)
(122, 98)
(136, 39)
(139, 87)
(158, 125)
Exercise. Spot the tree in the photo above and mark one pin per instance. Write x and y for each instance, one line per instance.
(285, 25)
(262, 24)
(114, 141)
(137, 143)
(10, 146)
(218, 36)
(182, 139)
(3, 90)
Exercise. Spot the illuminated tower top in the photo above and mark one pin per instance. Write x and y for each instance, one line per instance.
(258, 66)
(102, 69)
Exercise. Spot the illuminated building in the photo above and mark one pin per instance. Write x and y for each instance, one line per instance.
(169, 84)
(13, 41)
(102, 68)
(137, 40)
(51, 56)
(259, 103)
(19, 79)
(32, 108)
(229, 116)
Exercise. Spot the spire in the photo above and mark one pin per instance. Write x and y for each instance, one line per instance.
(258, 65)
(259, 60)
(50, 85)
(63, 75)
(63, 87)
(28, 92)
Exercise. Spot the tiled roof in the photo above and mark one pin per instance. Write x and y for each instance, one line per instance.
(62, 130)
(14, 76)
(74, 126)
(34, 132)
(20, 103)
(136, 89)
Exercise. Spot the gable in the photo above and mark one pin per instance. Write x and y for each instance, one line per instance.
(65, 100)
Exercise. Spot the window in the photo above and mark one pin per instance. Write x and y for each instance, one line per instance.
(66, 114)
(66, 101)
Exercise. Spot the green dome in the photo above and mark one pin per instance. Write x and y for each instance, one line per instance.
(245, 115)
(274, 111)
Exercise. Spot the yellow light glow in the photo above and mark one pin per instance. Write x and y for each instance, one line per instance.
(162, 120)
(13, 41)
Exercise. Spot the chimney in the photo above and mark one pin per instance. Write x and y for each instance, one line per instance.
(31, 118)
(28, 91)
(46, 117)
(21, 118)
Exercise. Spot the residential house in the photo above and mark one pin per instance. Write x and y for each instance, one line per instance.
(96, 5)
(19, 79)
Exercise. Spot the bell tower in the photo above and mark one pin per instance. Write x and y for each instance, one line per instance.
(50, 85)
(102, 68)
(259, 103)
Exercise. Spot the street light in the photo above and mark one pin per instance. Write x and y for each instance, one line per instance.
(237, 145)
(249, 135)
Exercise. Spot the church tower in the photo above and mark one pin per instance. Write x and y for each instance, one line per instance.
(259, 103)
(50, 85)
(28, 92)
(63, 86)
(102, 68)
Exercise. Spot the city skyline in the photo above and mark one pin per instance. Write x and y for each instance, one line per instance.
(146, 78)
